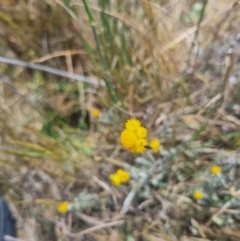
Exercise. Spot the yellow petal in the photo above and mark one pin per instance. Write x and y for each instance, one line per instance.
(63, 207)
(139, 146)
(123, 175)
(215, 169)
(128, 138)
(115, 179)
(155, 144)
(132, 124)
(197, 195)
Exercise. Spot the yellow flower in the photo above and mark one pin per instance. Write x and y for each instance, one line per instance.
(119, 177)
(128, 138)
(155, 144)
(132, 124)
(133, 137)
(123, 175)
(197, 195)
(95, 113)
(215, 169)
(139, 146)
(141, 132)
(63, 207)
(115, 179)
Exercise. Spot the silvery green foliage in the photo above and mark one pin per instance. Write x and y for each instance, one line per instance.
(222, 219)
(85, 200)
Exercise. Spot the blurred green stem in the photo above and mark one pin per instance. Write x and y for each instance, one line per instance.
(107, 79)
(204, 4)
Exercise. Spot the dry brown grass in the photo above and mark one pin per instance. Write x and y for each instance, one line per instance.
(174, 71)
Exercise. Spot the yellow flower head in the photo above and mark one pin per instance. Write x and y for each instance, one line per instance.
(128, 138)
(115, 179)
(139, 146)
(95, 113)
(215, 169)
(123, 175)
(141, 132)
(133, 137)
(63, 207)
(132, 124)
(197, 195)
(155, 144)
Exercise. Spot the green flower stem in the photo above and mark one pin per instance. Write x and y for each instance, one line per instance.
(107, 78)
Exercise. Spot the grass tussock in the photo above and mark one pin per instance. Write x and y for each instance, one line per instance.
(174, 65)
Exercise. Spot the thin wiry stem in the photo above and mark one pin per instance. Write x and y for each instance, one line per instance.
(90, 230)
(51, 70)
